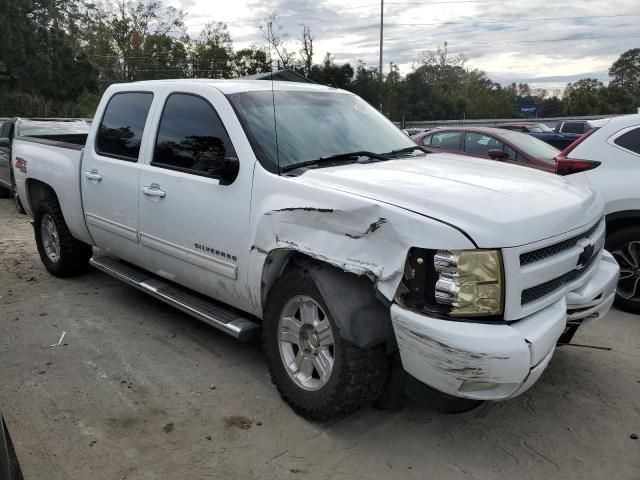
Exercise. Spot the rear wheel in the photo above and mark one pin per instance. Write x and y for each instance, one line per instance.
(624, 245)
(320, 375)
(61, 254)
(4, 192)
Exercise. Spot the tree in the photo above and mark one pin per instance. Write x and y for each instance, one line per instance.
(273, 33)
(330, 73)
(164, 57)
(130, 22)
(583, 97)
(249, 61)
(625, 71)
(306, 52)
(212, 54)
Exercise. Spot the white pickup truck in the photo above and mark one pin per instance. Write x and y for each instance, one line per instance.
(301, 212)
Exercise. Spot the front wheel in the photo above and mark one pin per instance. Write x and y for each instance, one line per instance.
(624, 245)
(61, 254)
(319, 374)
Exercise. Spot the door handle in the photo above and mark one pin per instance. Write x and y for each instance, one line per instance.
(153, 190)
(93, 175)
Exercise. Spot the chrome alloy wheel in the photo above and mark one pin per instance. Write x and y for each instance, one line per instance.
(306, 344)
(50, 238)
(628, 257)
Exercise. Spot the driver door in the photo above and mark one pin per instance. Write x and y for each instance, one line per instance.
(193, 222)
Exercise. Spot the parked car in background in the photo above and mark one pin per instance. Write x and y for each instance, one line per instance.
(60, 130)
(492, 143)
(608, 159)
(414, 131)
(541, 132)
(578, 127)
(342, 243)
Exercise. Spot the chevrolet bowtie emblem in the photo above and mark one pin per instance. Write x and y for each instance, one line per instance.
(585, 256)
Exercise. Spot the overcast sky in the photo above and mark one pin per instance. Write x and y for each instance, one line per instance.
(546, 44)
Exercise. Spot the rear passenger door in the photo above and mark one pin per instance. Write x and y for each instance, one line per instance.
(110, 173)
(193, 225)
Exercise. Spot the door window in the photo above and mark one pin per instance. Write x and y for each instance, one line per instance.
(191, 136)
(511, 153)
(573, 127)
(479, 144)
(446, 140)
(426, 140)
(630, 140)
(120, 131)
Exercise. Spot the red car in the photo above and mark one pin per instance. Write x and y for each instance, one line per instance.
(491, 143)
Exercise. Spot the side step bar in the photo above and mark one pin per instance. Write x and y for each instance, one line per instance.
(196, 305)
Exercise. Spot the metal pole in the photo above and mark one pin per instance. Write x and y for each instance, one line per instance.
(381, 36)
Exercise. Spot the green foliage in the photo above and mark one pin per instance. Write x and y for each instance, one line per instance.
(57, 58)
(625, 72)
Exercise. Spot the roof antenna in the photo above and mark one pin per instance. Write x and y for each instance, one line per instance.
(273, 100)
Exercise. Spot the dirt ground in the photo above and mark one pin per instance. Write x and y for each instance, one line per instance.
(137, 390)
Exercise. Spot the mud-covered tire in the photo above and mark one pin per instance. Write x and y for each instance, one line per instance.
(616, 243)
(74, 255)
(357, 376)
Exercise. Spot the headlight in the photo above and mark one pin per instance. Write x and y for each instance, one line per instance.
(469, 281)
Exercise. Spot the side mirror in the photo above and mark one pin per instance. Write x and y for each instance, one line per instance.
(497, 154)
(5, 142)
(223, 168)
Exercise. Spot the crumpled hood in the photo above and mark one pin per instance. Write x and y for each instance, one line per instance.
(496, 204)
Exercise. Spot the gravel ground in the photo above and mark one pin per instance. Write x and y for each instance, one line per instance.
(137, 390)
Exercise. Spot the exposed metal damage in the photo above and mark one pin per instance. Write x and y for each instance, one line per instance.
(358, 236)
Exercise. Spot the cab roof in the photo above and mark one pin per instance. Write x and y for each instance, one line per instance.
(237, 85)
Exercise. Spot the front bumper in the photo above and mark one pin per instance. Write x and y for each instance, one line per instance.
(497, 361)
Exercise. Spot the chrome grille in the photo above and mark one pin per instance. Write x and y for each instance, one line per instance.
(534, 293)
(551, 250)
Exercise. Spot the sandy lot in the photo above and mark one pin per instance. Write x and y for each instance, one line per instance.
(140, 391)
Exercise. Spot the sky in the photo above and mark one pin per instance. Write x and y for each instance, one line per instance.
(546, 44)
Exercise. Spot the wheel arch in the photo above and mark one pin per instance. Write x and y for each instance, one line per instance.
(37, 191)
(619, 220)
(363, 316)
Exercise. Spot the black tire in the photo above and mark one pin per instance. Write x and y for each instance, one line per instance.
(358, 374)
(4, 192)
(16, 198)
(617, 242)
(74, 254)
(394, 395)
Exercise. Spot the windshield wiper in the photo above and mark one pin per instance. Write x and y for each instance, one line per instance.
(407, 150)
(335, 158)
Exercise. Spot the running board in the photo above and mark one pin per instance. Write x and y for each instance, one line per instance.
(198, 306)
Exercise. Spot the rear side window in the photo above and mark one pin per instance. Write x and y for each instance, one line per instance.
(120, 132)
(630, 140)
(191, 136)
(426, 140)
(446, 140)
(573, 127)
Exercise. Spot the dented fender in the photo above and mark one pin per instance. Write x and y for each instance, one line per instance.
(356, 234)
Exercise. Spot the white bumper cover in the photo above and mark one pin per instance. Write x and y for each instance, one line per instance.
(497, 361)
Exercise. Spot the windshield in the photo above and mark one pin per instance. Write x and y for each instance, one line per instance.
(530, 145)
(312, 125)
